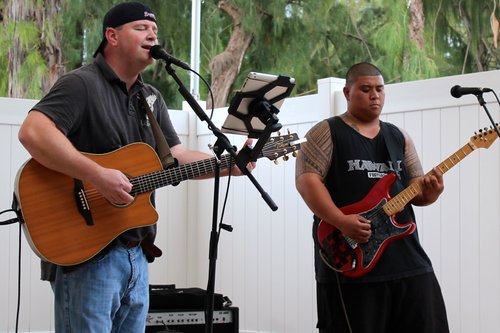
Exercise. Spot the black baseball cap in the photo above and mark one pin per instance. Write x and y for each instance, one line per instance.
(124, 13)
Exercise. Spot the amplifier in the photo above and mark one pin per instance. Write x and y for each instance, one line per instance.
(191, 321)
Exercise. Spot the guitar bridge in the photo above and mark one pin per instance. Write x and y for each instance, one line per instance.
(82, 203)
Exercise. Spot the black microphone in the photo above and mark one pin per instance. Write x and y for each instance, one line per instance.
(157, 52)
(457, 91)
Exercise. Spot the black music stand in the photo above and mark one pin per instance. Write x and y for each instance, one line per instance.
(253, 109)
(261, 108)
(252, 112)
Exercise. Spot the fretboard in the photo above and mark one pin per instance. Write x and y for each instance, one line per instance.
(404, 197)
(151, 181)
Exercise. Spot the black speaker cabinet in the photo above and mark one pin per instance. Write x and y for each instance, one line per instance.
(191, 321)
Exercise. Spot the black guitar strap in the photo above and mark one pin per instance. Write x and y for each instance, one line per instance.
(164, 153)
(393, 142)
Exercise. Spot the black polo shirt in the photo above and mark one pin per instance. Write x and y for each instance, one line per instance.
(93, 108)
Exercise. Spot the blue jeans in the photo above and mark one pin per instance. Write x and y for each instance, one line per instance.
(109, 293)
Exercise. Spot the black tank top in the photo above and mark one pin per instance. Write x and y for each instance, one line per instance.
(358, 163)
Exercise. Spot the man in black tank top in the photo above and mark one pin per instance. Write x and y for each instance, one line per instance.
(343, 171)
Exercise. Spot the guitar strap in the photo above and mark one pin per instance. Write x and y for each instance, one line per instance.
(164, 153)
(392, 142)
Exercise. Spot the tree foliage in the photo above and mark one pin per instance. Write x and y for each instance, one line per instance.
(407, 40)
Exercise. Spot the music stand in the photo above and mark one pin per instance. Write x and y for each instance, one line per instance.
(221, 145)
(253, 109)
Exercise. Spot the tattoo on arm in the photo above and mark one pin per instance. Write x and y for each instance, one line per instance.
(413, 165)
(316, 153)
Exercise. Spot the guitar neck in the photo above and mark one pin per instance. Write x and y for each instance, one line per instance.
(152, 181)
(404, 197)
(275, 147)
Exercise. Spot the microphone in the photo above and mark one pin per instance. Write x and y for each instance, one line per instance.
(157, 52)
(457, 91)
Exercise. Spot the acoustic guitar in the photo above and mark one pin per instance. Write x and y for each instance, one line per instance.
(67, 222)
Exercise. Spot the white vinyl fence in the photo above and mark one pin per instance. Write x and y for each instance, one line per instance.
(265, 266)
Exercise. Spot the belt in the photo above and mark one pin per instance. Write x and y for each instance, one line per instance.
(131, 244)
(151, 250)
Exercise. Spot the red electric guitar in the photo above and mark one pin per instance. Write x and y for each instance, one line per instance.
(354, 260)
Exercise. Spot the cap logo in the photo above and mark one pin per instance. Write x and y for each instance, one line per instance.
(150, 15)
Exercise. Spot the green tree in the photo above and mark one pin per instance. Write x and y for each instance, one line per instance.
(31, 32)
(460, 35)
(282, 36)
(308, 40)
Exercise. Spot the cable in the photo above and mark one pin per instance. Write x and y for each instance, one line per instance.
(12, 220)
(210, 93)
(343, 304)
(231, 163)
(18, 310)
(221, 225)
(18, 218)
(7, 222)
(494, 93)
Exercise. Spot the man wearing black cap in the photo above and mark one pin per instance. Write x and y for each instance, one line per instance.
(97, 109)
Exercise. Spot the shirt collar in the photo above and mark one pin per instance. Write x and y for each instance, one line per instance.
(111, 76)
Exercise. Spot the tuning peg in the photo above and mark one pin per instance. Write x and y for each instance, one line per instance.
(276, 162)
(294, 154)
(285, 158)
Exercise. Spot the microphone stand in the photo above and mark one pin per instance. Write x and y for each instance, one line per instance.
(242, 160)
(483, 104)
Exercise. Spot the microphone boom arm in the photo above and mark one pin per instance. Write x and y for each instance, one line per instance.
(221, 144)
(458, 91)
(483, 104)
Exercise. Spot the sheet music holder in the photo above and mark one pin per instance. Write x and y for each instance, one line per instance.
(221, 145)
(252, 109)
